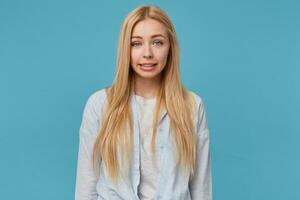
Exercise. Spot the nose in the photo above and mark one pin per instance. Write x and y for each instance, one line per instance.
(147, 52)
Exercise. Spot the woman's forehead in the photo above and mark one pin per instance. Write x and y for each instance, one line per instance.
(149, 28)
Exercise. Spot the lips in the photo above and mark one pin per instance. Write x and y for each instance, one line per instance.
(148, 64)
(147, 67)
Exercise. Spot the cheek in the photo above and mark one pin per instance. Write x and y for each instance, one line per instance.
(134, 56)
(163, 54)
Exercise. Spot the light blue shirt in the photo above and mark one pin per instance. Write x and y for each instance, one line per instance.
(171, 184)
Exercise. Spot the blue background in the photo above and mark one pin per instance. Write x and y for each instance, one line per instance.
(242, 57)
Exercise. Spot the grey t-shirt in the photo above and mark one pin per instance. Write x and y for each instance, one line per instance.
(149, 170)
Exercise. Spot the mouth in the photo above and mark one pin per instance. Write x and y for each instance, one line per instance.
(147, 67)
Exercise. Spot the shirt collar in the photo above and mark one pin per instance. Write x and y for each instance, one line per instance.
(134, 102)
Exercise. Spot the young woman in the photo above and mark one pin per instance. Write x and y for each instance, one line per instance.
(145, 136)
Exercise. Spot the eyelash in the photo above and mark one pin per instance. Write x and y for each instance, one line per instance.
(134, 43)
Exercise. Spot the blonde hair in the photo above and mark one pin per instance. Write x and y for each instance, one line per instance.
(116, 132)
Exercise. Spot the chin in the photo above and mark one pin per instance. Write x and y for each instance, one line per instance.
(148, 75)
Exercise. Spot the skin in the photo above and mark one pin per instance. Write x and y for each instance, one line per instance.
(147, 47)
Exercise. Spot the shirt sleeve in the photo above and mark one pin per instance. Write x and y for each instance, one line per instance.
(201, 184)
(86, 180)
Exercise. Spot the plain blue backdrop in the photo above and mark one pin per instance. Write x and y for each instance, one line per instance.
(242, 57)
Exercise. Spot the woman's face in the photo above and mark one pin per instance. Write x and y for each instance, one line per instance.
(149, 48)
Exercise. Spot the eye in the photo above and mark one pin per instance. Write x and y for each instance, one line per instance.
(135, 44)
(159, 43)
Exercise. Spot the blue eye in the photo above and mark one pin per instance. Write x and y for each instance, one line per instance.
(159, 43)
(135, 43)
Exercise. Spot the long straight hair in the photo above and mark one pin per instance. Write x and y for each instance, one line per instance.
(116, 132)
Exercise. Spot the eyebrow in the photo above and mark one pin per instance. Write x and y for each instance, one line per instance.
(153, 36)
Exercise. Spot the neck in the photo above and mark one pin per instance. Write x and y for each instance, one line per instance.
(147, 88)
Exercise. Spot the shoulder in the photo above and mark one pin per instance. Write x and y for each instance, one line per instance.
(95, 101)
(200, 117)
(197, 97)
(97, 96)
